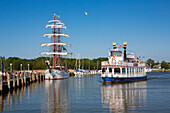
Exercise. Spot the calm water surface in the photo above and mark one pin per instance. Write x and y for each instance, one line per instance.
(89, 94)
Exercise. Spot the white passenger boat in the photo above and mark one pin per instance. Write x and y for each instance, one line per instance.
(56, 72)
(122, 67)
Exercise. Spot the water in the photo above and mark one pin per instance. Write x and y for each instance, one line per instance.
(89, 94)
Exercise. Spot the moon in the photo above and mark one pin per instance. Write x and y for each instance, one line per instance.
(86, 13)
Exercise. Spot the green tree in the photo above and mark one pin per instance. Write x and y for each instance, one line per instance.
(165, 65)
(150, 62)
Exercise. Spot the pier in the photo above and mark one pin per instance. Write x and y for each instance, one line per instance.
(16, 80)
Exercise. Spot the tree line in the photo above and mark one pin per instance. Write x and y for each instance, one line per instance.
(153, 64)
(18, 64)
(70, 63)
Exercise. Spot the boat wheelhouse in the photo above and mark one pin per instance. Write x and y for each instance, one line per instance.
(122, 67)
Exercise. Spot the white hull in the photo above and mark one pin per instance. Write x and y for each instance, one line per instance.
(56, 74)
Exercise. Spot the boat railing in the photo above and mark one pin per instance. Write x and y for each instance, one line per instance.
(123, 63)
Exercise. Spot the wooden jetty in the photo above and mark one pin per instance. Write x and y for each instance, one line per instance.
(18, 80)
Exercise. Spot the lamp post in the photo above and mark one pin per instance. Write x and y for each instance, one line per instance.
(11, 66)
(20, 67)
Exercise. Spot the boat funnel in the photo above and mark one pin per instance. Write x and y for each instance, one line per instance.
(114, 45)
(125, 44)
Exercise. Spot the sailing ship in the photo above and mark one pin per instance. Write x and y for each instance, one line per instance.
(122, 67)
(56, 71)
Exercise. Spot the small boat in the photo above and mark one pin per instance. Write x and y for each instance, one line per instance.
(58, 71)
(79, 72)
(122, 67)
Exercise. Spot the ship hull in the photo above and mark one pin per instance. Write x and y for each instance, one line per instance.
(56, 74)
(124, 79)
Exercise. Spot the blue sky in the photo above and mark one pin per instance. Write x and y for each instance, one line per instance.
(144, 24)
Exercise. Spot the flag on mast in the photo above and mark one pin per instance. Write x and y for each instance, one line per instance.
(64, 48)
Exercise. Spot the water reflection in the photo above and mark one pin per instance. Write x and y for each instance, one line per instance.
(124, 97)
(56, 96)
(46, 96)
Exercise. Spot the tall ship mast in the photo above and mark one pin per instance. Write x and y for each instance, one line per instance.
(56, 71)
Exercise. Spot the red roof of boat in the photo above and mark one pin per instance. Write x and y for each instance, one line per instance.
(115, 51)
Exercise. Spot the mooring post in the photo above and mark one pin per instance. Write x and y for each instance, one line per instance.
(25, 78)
(8, 80)
(13, 77)
(8, 99)
(22, 81)
(17, 80)
(30, 77)
(43, 75)
(40, 76)
(33, 76)
(37, 76)
(1, 102)
(1, 82)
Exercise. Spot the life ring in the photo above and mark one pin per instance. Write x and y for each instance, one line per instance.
(113, 58)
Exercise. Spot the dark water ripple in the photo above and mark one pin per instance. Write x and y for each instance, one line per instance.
(90, 94)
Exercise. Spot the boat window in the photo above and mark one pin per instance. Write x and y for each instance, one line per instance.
(123, 70)
(117, 70)
(132, 69)
(127, 70)
(110, 70)
(114, 54)
(103, 70)
(111, 53)
(118, 53)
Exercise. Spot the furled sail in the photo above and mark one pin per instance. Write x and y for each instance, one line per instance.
(53, 21)
(56, 53)
(56, 26)
(51, 44)
(50, 35)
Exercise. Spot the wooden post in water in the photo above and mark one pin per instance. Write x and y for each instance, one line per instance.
(37, 74)
(33, 76)
(13, 78)
(1, 102)
(36, 77)
(30, 77)
(22, 81)
(43, 75)
(40, 76)
(13, 96)
(8, 80)
(17, 80)
(25, 82)
(1, 83)
(8, 99)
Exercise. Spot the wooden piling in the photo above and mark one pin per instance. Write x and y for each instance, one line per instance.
(13, 78)
(1, 83)
(43, 75)
(8, 99)
(22, 80)
(8, 81)
(40, 76)
(33, 77)
(37, 76)
(30, 74)
(1, 103)
(25, 82)
(17, 80)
